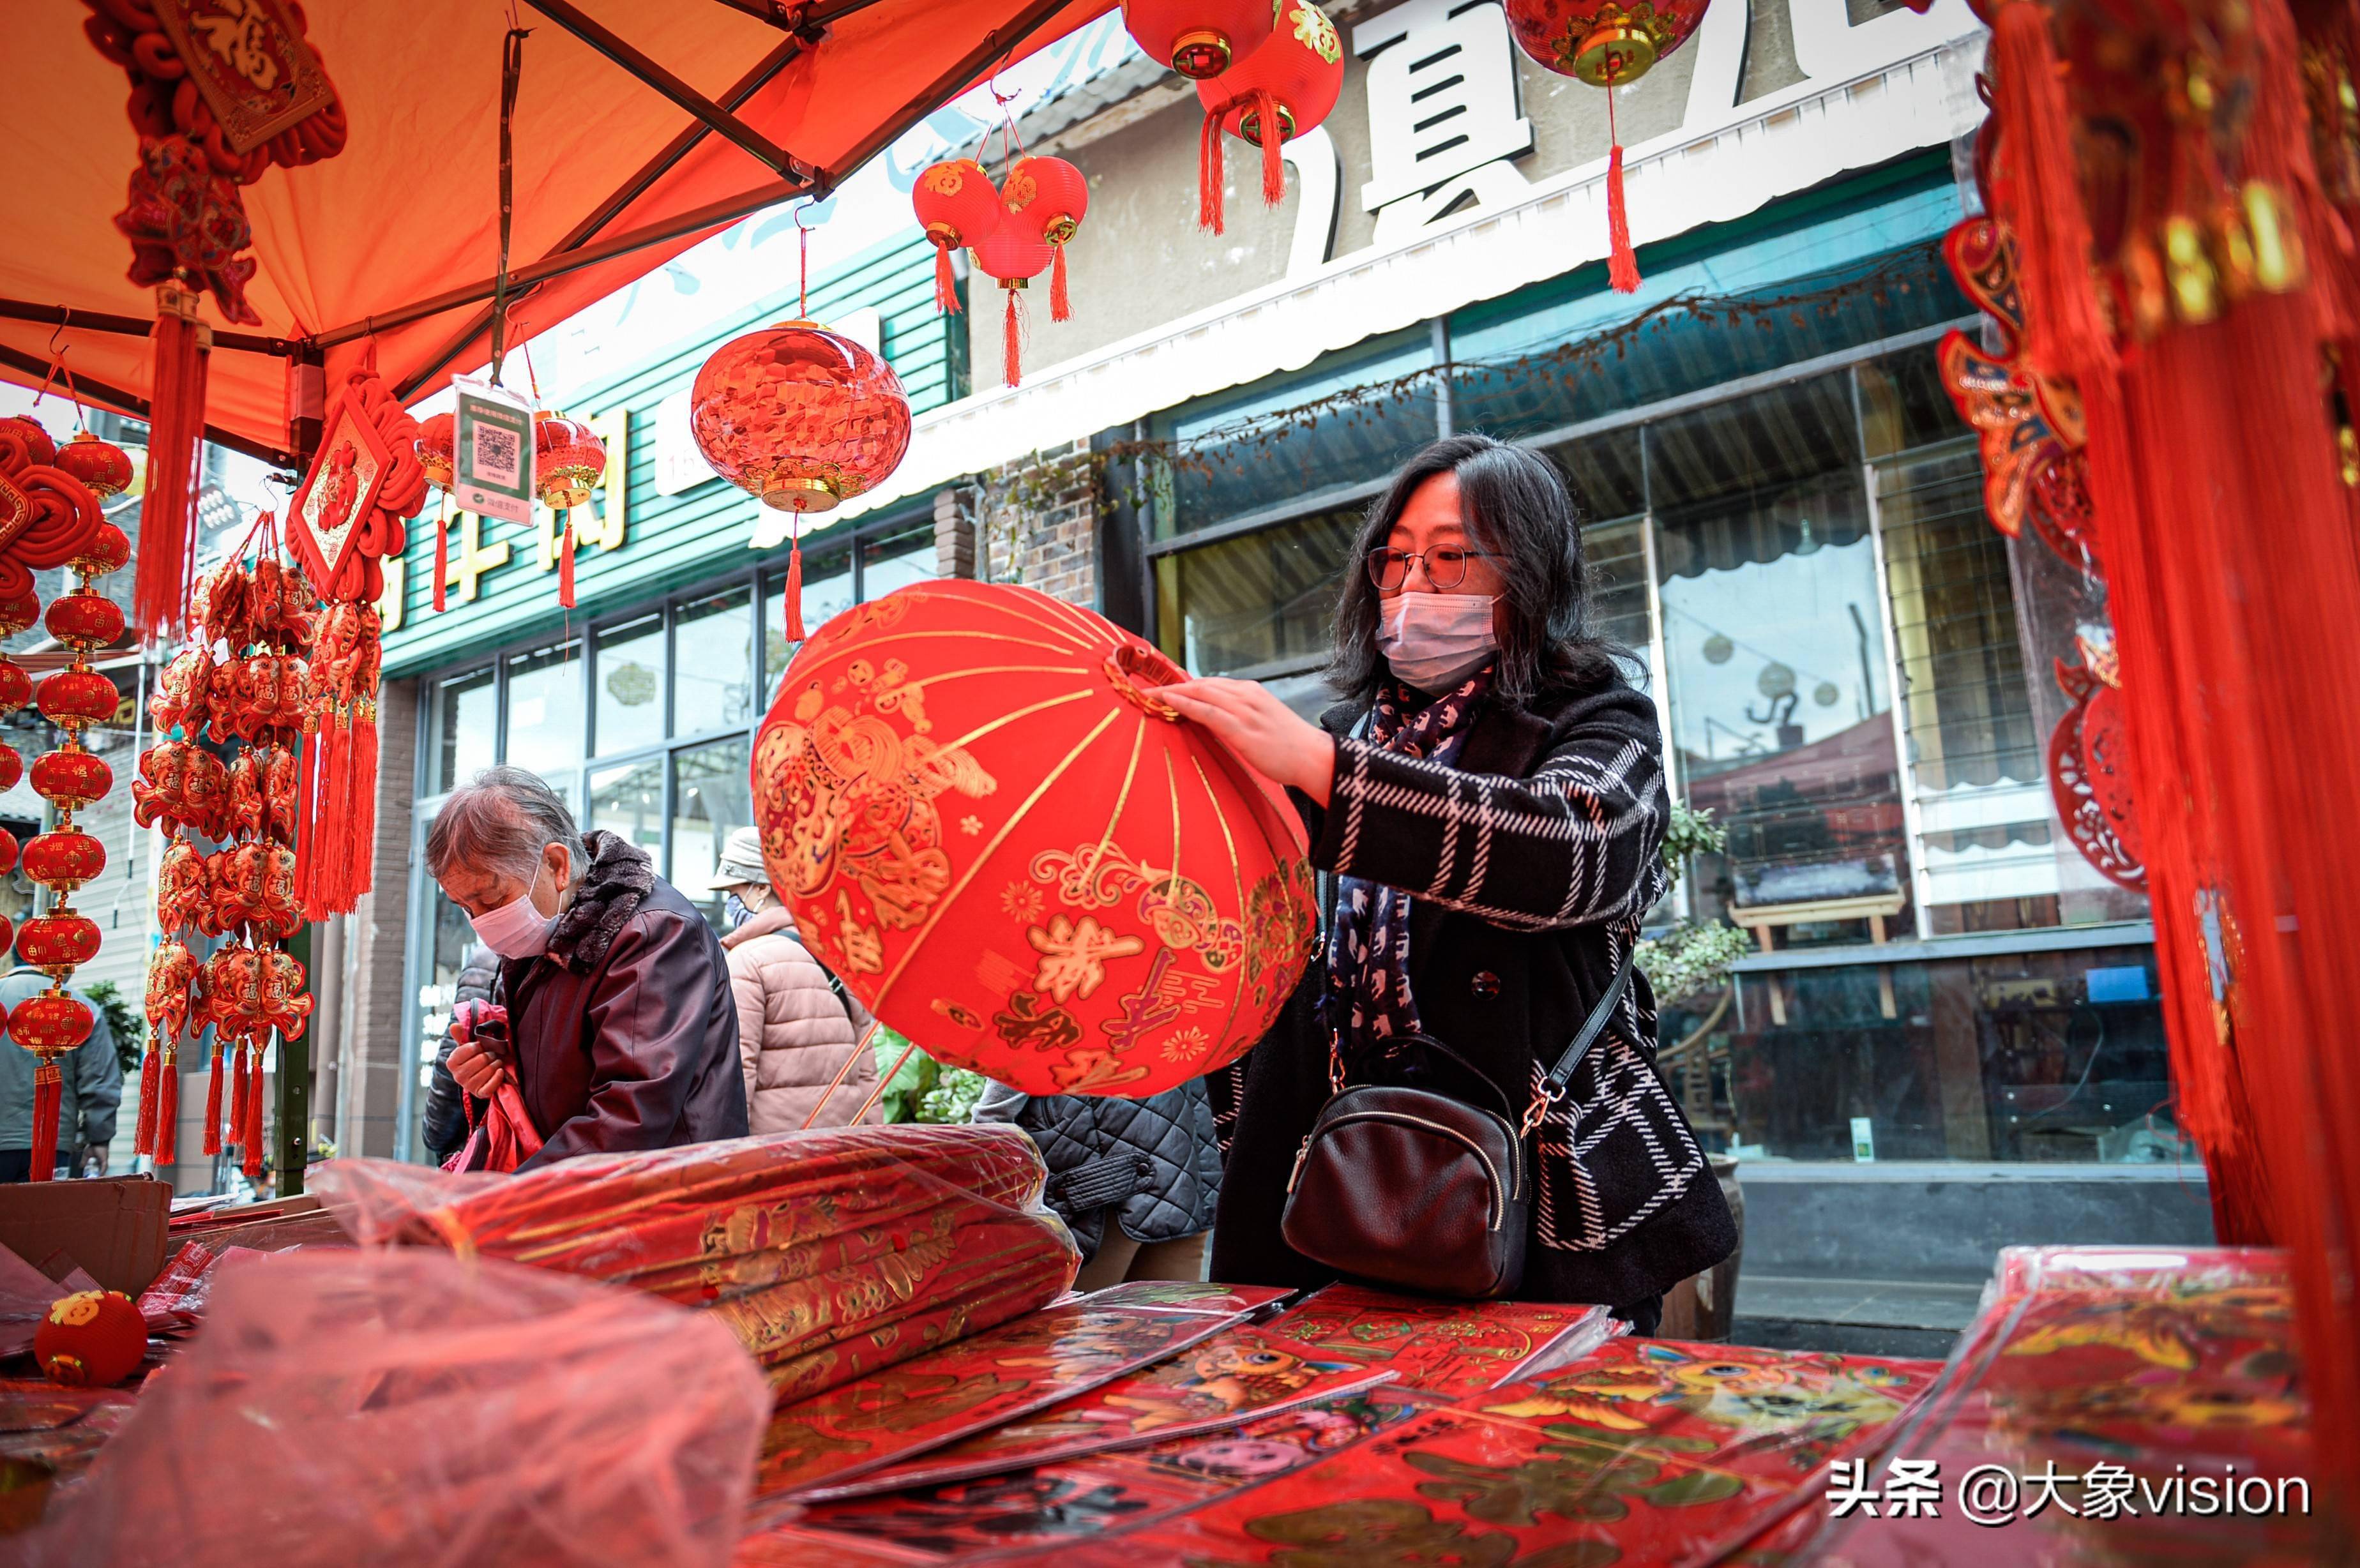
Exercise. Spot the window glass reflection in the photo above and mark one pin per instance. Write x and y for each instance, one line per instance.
(1258, 604)
(545, 710)
(629, 802)
(712, 795)
(631, 685)
(827, 592)
(713, 678)
(466, 726)
(895, 561)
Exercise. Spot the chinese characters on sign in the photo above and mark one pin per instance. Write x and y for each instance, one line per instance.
(1444, 115)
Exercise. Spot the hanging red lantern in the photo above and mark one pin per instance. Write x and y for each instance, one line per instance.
(74, 696)
(957, 205)
(64, 858)
(1606, 45)
(803, 418)
(109, 550)
(1014, 256)
(84, 619)
(1048, 197)
(1198, 39)
(71, 778)
(1285, 88)
(104, 467)
(438, 449)
(569, 461)
(987, 823)
(57, 945)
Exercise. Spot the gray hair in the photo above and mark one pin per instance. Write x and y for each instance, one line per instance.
(500, 820)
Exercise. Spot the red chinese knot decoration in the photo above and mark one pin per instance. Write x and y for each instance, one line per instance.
(987, 823)
(1285, 88)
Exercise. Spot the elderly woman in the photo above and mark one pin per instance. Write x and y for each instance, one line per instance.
(623, 1034)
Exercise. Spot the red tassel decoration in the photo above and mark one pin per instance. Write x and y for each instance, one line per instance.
(1011, 344)
(360, 825)
(946, 283)
(176, 429)
(794, 591)
(441, 559)
(307, 841)
(213, 1103)
(2065, 334)
(1060, 302)
(1210, 177)
(150, 1076)
(1621, 261)
(1273, 145)
(167, 1116)
(48, 1098)
(565, 564)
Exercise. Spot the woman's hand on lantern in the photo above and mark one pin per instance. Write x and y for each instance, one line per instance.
(1265, 733)
(477, 1070)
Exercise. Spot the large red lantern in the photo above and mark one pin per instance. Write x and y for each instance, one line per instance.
(1198, 39)
(803, 418)
(957, 205)
(1285, 88)
(1608, 45)
(989, 824)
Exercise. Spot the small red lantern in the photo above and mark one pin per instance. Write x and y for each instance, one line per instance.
(1015, 257)
(55, 943)
(438, 449)
(1608, 45)
(1290, 83)
(957, 205)
(11, 767)
(71, 778)
(109, 551)
(92, 1339)
(569, 461)
(64, 859)
(101, 466)
(1198, 39)
(16, 615)
(1048, 197)
(84, 619)
(16, 686)
(72, 697)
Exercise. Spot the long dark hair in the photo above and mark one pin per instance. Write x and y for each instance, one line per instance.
(1515, 506)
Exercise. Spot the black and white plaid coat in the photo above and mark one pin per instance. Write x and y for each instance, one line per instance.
(1529, 865)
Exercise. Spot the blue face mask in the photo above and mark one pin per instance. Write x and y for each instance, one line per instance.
(734, 909)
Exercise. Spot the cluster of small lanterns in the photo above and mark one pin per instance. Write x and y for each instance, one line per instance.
(1015, 231)
(569, 462)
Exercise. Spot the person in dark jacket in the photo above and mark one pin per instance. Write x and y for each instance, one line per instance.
(446, 1124)
(1490, 800)
(623, 1034)
(1135, 1181)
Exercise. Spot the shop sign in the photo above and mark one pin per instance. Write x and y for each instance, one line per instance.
(1444, 111)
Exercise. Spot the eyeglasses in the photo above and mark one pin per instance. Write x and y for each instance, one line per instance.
(1446, 566)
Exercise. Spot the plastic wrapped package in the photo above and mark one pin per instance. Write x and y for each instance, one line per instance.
(829, 1253)
(410, 1408)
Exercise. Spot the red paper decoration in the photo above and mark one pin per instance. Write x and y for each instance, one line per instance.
(802, 418)
(1290, 83)
(957, 205)
(2089, 774)
(990, 827)
(1609, 45)
(91, 1339)
(1198, 39)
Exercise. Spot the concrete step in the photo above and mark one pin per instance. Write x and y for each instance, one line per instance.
(1853, 1317)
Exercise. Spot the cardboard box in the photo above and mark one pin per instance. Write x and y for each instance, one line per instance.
(113, 1227)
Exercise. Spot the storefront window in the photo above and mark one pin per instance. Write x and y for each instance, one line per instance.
(713, 675)
(631, 685)
(1258, 604)
(629, 802)
(895, 561)
(710, 797)
(827, 592)
(545, 722)
(463, 729)
(449, 937)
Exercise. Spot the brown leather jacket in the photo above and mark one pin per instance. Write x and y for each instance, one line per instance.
(624, 1032)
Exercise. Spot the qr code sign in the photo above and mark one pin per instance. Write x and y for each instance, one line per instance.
(496, 455)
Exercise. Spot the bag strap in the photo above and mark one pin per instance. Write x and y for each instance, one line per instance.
(1552, 1087)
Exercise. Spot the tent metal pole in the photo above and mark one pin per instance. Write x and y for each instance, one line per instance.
(131, 403)
(133, 326)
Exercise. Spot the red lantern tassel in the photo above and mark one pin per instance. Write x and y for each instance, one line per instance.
(167, 1116)
(1060, 302)
(1011, 344)
(441, 559)
(794, 591)
(176, 427)
(945, 282)
(2065, 334)
(565, 564)
(150, 1074)
(1273, 150)
(1621, 261)
(48, 1097)
(1210, 177)
(213, 1104)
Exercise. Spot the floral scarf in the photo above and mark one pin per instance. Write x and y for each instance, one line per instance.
(1369, 975)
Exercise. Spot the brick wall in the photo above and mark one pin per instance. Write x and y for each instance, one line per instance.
(376, 1001)
(1040, 523)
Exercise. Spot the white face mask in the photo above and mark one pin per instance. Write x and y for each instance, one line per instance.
(516, 930)
(1436, 640)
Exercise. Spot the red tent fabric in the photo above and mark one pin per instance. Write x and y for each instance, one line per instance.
(410, 209)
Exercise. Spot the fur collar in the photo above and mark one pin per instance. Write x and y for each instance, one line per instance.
(618, 876)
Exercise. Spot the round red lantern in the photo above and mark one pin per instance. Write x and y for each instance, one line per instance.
(1284, 88)
(50, 1021)
(75, 696)
(64, 858)
(1198, 39)
(16, 686)
(108, 550)
(987, 823)
(55, 943)
(1014, 256)
(569, 461)
(84, 619)
(11, 767)
(19, 435)
(1048, 197)
(71, 778)
(103, 467)
(91, 1339)
(7, 843)
(957, 205)
(799, 416)
(438, 449)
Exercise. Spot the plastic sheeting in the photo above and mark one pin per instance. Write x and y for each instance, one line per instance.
(407, 1408)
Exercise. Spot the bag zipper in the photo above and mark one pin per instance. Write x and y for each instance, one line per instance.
(1498, 1209)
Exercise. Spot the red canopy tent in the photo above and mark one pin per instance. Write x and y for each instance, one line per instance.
(640, 127)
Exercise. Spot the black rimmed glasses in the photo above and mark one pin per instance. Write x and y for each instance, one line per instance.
(1446, 566)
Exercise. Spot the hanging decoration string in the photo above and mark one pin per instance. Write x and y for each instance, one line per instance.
(791, 590)
(511, 74)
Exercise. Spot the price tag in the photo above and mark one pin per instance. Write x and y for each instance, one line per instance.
(493, 473)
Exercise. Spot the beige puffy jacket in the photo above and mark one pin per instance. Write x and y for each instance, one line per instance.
(792, 1032)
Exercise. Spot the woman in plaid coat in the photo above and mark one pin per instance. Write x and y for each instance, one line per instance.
(1490, 800)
